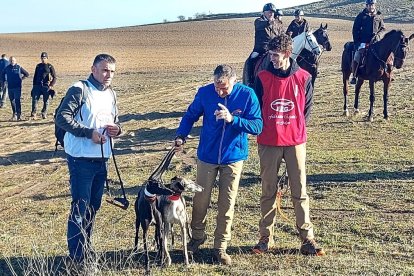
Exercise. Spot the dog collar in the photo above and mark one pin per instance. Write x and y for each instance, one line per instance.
(174, 197)
(150, 197)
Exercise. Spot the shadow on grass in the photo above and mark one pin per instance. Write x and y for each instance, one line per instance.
(335, 179)
(113, 261)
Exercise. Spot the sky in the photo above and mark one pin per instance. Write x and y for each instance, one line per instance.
(61, 15)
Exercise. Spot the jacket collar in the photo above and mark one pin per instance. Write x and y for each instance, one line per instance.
(97, 84)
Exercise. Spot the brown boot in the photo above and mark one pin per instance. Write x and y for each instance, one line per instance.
(221, 256)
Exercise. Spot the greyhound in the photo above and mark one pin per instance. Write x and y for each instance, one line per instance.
(173, 211)
(147, 209)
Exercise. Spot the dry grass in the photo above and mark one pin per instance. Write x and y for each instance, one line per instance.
(360, 174)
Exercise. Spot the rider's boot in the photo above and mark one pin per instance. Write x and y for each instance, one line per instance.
(353, 80)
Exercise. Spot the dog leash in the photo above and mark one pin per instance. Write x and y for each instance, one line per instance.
(156, 175)
(123, 202)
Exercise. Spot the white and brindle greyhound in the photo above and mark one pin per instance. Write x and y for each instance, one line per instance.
(147, 210)
(173, 210)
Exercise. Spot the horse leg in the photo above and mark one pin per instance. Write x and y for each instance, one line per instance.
(345, 89)
(371, 100)
(357, 91)
(387, 83)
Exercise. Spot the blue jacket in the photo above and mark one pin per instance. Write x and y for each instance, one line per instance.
(221, 142)
(14, 75)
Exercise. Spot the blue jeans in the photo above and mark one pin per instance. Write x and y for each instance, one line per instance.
(87, 179)
(14, 96)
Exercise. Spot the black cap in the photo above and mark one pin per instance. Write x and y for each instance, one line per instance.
(43, 54)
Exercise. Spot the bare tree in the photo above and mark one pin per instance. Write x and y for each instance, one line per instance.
(181, 17)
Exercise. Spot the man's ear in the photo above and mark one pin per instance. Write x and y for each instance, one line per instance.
(287, 54)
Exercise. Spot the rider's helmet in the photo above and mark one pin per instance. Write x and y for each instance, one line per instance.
(301, 13)
(269, 7)
(279, 13)
(370, 2)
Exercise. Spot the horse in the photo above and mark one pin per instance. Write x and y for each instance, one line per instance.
(305, 40)
(310, 61)
(380, 59)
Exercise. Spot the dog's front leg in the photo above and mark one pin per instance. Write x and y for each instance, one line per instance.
(167, 231)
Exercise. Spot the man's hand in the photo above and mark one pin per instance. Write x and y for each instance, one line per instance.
(112, 130)
(98, 138)
(178, 144)
(224, 114)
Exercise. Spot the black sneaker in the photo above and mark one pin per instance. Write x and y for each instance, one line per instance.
(221, 256)
(310, 247)
(194, 244)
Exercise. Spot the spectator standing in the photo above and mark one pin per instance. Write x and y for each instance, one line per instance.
(44, 79)
(285, 94)
(87, 145)
(230, 111)
(14, 74)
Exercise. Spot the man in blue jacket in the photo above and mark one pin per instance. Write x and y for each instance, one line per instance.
(14, 74)
(230, 111)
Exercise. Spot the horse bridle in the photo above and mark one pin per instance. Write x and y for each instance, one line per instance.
(307, 41)
(394, 51)
(405, 45)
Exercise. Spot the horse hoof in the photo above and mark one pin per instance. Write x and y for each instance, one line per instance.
(346, 113)
(371, 118)
(386, 118)
(356, 111)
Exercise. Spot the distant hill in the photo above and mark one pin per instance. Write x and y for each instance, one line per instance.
(401, 11)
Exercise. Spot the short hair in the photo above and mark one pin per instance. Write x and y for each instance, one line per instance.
(3, 55)
(280, 43)
(108, 58)
(224, 71)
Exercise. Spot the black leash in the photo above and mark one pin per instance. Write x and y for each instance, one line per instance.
(119, 202)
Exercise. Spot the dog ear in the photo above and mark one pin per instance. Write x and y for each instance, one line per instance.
(174, 179)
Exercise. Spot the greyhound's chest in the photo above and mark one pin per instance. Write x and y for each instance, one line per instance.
(175, 212)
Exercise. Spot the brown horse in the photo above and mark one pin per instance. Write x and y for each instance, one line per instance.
(380, 59)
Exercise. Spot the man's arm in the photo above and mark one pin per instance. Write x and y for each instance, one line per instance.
(24, 73)
(54, 77)
(356, 29)
(65, 116)
(36, 73)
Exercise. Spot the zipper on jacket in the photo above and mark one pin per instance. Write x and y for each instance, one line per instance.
(222, 134)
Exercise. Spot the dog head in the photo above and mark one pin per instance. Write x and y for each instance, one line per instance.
(180, 185)
(157, 188)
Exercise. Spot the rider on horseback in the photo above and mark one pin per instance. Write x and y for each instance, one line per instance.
(368, 28)
(266, 28)
(298, 25)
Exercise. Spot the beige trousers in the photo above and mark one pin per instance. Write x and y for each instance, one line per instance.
(228, 184)
(295, 158)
